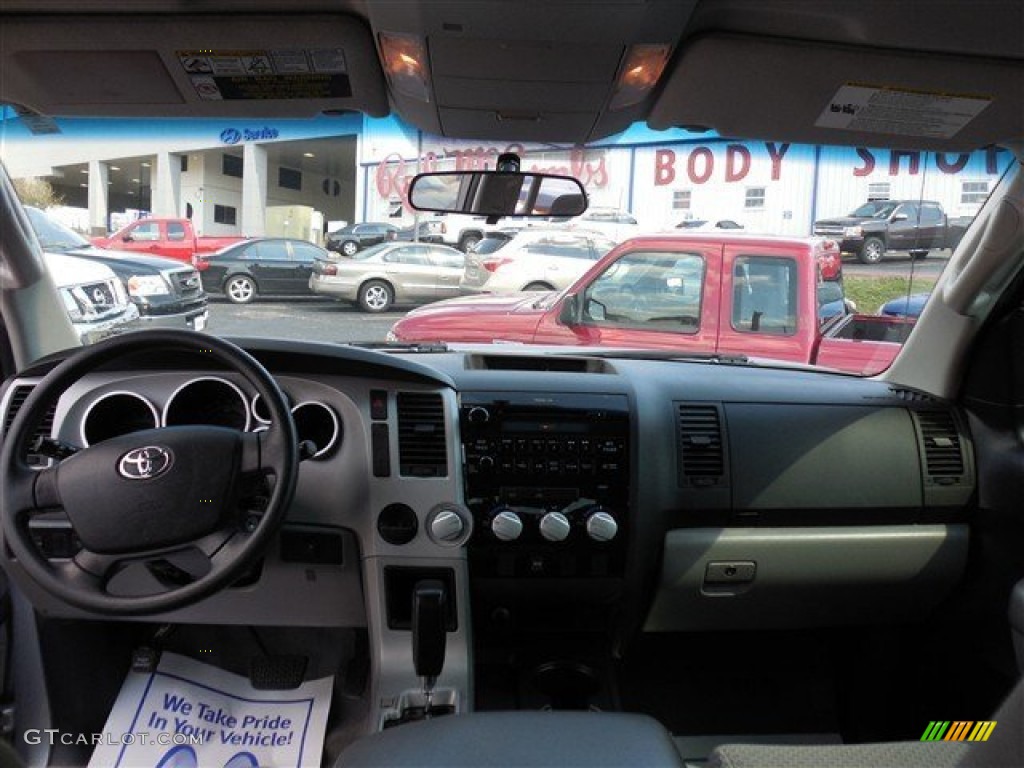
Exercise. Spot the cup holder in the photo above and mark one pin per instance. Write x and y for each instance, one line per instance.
(567, 685)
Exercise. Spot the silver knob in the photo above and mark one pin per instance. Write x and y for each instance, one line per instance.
(601, 526)
(506, 525)
(447, 525)
(554, 526)
(479, 415)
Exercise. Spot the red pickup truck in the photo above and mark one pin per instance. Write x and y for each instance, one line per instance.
(711, 293)
(174, 238)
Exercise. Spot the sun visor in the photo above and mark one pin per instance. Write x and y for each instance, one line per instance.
(205, 66)
(814, 93)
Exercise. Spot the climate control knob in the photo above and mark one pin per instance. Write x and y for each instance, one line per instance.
(479, 415)
(601, 526)
(554, 526)
(506, 525)
(447, 526)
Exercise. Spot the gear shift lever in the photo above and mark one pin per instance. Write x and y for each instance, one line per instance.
(428, 634)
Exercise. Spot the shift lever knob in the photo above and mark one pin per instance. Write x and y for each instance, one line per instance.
(428, 627)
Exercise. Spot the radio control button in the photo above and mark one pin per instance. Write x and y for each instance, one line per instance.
(479, 415)
(506, 525)
(601, 526)
(447, 526)
(554, 526)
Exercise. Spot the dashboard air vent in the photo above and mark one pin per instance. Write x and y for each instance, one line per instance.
(701, 445)
(942, 453)
(422, 449)
(18, 397)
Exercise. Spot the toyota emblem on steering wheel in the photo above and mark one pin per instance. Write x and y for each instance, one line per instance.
(145, 463)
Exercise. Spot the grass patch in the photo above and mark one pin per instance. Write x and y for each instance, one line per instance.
(869, 293)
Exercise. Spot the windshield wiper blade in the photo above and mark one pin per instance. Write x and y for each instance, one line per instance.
(398, 346)
(655, 354)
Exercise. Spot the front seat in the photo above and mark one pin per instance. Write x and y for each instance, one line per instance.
(1004, 749)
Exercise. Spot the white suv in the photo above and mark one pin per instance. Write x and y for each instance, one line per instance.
(93, 296)
(614, 223)
(534, 260)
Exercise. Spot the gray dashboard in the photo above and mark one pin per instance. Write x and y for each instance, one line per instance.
(746, 483)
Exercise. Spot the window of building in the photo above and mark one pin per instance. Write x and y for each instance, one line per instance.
(755, 198)
(289, 178)
(681, 199)
(879, 191)
(184, 163)
(225, 214)
(973, 192)
(231, 165)
(764, 295)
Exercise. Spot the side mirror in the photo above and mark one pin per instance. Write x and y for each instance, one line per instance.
(569, 314)
(127, 238)
(899, 217)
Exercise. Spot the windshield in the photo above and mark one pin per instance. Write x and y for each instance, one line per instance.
(52, 235)
(874, 210)
(183, 190)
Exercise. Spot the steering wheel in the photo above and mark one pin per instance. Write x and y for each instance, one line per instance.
(165, 516)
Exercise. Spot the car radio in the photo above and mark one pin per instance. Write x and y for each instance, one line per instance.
(547, 480)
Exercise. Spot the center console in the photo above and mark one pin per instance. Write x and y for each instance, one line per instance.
(547, 481)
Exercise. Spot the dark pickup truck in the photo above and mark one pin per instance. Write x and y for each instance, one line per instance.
(917, 226)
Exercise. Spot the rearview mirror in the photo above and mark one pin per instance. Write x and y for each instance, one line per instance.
(498, 193)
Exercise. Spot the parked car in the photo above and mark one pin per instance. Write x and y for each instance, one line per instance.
(533, 260)
(429, 231)
(173, 238)
(93, 296)
(353, 238)
(391, 273)
(613, 223)
(894, 225)
(272, 266)
(712, 293)
(166, 293)
(705, 224)
(905, 306)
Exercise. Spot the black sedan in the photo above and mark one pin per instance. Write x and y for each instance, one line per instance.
(424, 232)
(270, 266)
(353, 238)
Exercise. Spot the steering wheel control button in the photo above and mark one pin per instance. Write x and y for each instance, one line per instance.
(554, 526)
(397, 524)
(146, 463)
(447, 526)
(506, 525)
(601, 526)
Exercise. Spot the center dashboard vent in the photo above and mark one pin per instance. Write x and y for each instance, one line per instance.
(701, 446)
(18, 397)
(943, 452)
(422, 448)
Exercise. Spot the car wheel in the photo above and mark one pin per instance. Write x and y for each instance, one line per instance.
(375, 296)
(240, 289)
(872, 251)
(538, 287)
(919, 254)
(350, 248)
(468, 241)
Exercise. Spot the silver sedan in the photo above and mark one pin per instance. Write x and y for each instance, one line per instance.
(404, 273)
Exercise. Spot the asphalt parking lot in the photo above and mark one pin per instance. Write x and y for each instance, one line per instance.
(896, 264)
(307, 319)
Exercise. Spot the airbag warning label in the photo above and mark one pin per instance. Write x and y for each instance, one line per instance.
(901, 111)
(270, 74)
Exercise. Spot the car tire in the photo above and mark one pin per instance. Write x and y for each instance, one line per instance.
(538, 286)
(872, 251)
(240, 289)
(375, 296)
(468, 240)
(920, 254)
(349, 248)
